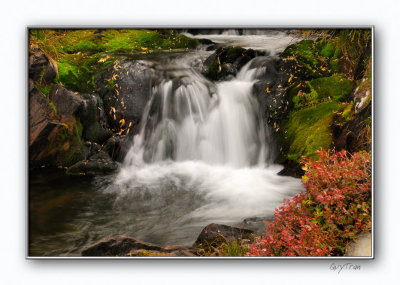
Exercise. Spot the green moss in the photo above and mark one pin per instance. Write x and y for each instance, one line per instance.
(328, 49)
(78, 53)
(43, 88)
(336, 87)
(76, 72)
(348, 112)
(53, 107)
(308, 129)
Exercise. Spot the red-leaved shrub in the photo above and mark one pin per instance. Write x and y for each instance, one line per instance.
(335, 207)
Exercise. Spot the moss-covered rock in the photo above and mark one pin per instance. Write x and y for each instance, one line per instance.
(335, 87)
(308, 129)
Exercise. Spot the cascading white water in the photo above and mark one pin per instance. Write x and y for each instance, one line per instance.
(217, 124)
(200, 157)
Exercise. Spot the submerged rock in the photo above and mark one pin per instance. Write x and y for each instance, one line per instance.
(122, 245)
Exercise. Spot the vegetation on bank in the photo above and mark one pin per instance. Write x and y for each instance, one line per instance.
(324, 74)
(81, 53)
(321, 221)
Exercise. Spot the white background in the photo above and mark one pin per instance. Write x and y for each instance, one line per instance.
(17, 15)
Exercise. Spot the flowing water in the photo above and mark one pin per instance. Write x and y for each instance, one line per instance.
(202, 155)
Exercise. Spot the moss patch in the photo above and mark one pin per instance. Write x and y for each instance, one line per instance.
(79, 54)
(335, 87)
(308, 129)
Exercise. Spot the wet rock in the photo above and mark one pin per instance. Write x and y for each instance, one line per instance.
(122, 245)
(256, 224)
(66, 102)
(98, 164)
(125, 88)
(214, 235)
(41, 67)
(291, 168)
(226, 61)
(91, 115)
(116, 147)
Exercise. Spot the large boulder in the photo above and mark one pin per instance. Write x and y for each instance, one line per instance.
(125, 88)
(41, 67)
(123, 245)
(54, 139)
(66, 102)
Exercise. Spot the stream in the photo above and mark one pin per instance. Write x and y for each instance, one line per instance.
(203, 155)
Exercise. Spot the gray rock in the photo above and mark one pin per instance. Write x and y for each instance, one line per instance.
(67, 102)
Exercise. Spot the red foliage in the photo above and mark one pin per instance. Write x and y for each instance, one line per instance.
(335, 207)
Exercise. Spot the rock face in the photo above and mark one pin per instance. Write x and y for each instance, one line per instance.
(66, 102)
(92, 116)
(214, 235)
(125, 89)
(53, 138)
(41, 67)
(122, 245)
(354, 135)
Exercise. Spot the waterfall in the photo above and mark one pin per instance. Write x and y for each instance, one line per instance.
(219, 124)
(201, 156)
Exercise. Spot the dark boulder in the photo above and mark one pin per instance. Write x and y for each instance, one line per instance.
(91, 115)
(125, 88)
(214, 235)
(122, 245)
(66, 102)
(117, 147)
(41, 67)
(227, 61)
(98, 164)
